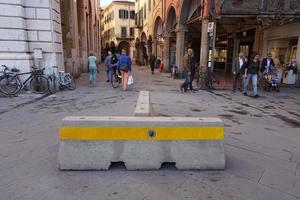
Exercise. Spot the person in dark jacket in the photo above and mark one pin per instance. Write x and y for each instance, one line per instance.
(237, 71)
(152, 63)
(266, 64)
(251, 73)
(124, 65)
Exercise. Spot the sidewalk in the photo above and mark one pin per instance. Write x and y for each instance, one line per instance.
(262, 144)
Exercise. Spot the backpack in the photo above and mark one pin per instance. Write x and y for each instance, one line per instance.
(114, 59)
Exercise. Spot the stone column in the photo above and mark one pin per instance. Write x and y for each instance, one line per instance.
(204, 44)
(180, 35)
(265, 46)
(154, 47)
(84, 42)
(298, 53)
(258, 40)
(236, 47)
(75, 42)
(166, 59)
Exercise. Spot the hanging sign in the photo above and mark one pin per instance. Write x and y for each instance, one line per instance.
(210, 27)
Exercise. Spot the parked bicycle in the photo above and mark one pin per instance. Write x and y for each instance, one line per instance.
(5, 78)
(60, 80)
(116, 79)
(206, 80)
(10, 83)
(174, 72)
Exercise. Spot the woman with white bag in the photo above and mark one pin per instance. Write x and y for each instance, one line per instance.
(124, 65)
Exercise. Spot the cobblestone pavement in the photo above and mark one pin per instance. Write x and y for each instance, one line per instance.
(262, 144)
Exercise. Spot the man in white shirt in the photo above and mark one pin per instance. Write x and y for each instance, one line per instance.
(237, 71)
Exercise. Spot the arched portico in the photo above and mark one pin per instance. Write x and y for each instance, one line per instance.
(149, 45)
(158, 38)
(188, 29)
(170, 39)
(124, 45)
(143, 49)
(70, 36)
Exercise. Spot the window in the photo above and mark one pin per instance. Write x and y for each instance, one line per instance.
(112, 15)
(145, 10)
(123, 14)
(149, 5)
(123, 32)
(132, 14)
(113, 32)
(131, 32)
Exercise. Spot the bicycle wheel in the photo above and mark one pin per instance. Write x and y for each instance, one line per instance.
(115, 82)
(200, 81)
(70, 82)
(39, 84)
(9, 84)
(52, 84)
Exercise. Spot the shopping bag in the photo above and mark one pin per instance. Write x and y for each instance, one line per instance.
(130, 80)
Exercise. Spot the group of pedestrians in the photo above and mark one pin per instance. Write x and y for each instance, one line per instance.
(113, 62)
(253, 71)
(243, 71)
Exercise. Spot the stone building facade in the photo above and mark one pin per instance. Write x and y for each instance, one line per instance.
(80, 33)
(149, 29)
(118, 26)
(52, 27)
(249, 26)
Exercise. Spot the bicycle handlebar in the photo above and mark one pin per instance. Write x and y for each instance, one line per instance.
(36, 68)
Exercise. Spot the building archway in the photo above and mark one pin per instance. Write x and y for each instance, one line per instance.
(149, 45)
(143, 37)
(138, 50)
(124, 45)
(158, 37)
(171, 20)
(170, 39)
(112, 47)
(190, 19)
(143, 49)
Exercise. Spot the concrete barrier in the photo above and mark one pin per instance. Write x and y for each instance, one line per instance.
(143, 106)
(142, 143)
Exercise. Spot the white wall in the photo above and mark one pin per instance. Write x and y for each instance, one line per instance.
(29, 24)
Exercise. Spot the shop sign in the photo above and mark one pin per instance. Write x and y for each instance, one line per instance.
(210, 27)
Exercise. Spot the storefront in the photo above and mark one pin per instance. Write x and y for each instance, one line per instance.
(224, 48)
(283, 42)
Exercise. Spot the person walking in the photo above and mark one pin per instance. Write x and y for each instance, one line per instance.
(237, 71)
(108, 65)
(266, 65)
(158, 62)
(152, 62)
(251, 73)
(192, 67)
(124, 65)
(186, 73)
(92, 63)
(113, 64)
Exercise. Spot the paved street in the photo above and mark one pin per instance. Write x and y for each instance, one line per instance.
(262, 144)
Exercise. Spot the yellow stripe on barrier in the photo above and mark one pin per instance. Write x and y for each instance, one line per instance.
(141, 133)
